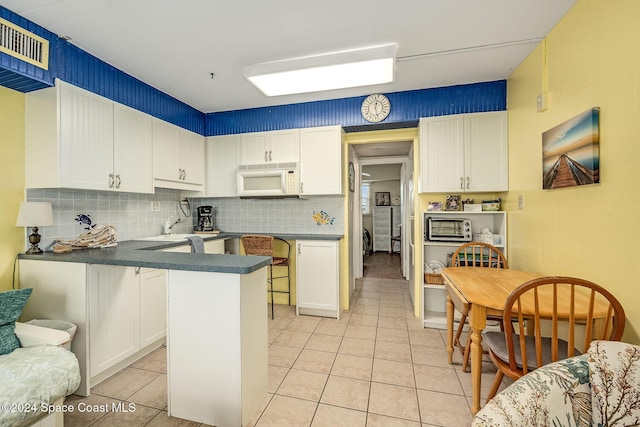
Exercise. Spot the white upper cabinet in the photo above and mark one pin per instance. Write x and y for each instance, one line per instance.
(464, 153)
(321, 160)
(132, 148)
(280, 146)
(178, 157)
(74, 139)
(222, 158)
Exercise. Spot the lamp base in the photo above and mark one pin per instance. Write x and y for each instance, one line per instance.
(34, 250)
(34, 239)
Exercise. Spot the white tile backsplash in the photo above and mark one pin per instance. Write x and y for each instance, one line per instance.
(132, 217)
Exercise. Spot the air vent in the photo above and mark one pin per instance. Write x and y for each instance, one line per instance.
(23, 45)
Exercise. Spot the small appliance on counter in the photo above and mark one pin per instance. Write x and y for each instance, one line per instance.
(206, 220)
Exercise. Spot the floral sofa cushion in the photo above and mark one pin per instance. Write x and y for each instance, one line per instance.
(614, 368)
(556, 395)
(34, 377)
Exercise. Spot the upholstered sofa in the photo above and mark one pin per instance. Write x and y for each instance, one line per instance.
(600, 388)
(38, 374)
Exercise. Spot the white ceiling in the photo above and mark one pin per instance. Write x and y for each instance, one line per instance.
(176, 45)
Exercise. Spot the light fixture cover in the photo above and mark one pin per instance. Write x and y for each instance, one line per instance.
(35, 214)
(339, 70)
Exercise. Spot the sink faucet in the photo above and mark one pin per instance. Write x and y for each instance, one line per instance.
(168, 225)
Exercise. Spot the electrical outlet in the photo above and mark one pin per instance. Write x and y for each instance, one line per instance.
(521, 202)
(155, 206)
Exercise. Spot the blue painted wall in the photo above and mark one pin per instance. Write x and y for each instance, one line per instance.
(75, 66)
(406, 109)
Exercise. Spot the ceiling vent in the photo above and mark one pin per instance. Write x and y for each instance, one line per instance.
(24, 45)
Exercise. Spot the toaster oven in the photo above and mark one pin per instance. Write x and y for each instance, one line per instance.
(448, 230)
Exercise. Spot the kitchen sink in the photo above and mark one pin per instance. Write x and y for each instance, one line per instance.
(167, 237)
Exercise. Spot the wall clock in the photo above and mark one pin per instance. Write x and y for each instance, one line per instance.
(375, 108)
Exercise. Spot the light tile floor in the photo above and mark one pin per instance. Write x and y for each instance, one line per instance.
(375, 366)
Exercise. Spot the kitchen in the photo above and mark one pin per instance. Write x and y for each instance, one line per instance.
(535, 243)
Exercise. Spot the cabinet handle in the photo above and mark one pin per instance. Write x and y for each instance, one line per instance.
(118, 181)
(461, 183)
(301, 187)
(184, 174)
(111, 178)
(299, 249)
(467, 183)
(137, 270)
(269, 155)
(266, 159)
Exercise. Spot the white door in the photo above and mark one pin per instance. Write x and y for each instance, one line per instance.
(153, 305)
(321, 160)
(167, 156)
(132, 150)
(222, 154)
(317, 274)
(254, 148)
(192, 154)
(442, 154)
(283, 146)
(113, 315)
(86, 139)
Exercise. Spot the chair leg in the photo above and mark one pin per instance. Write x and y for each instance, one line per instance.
(289, 283)
(271, 283)
(495, 386)
(467, 353)
(456, 338)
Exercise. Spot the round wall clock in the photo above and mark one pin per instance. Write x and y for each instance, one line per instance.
(375, 108)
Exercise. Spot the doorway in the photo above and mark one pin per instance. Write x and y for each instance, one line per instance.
(389, 147)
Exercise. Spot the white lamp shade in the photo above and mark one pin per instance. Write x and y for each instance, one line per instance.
(35, 214)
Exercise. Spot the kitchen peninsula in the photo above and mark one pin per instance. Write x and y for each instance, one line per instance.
(216, 320)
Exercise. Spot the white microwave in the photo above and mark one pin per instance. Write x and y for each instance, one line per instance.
(268, 180)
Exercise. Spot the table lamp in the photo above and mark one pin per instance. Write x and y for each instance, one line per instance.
(34, 214)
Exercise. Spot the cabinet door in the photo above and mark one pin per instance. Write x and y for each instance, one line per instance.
(114, 332)
(192, 148)
(86, 139)
(486, 155)
(222, 154)
(317, 275)
(321, 160)
(214, 246)
(167, 156)
(132, 150)
(283, 146)
(153, 306)
(442, 154)
(254, 148)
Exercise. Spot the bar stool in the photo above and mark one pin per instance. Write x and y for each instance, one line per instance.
(261, 245)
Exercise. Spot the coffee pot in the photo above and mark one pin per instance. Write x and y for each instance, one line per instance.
(206, 218)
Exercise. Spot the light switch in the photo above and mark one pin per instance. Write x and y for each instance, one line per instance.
(521, 202)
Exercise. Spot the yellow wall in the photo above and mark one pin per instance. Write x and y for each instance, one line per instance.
(12, 179)
(592, 60)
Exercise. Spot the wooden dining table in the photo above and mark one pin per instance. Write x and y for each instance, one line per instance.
(480, 292)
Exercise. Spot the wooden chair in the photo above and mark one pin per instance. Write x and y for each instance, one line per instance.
(478, 255)
(569, 305)
(256, 244)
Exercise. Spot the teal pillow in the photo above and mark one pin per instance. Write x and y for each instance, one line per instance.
(11, 305)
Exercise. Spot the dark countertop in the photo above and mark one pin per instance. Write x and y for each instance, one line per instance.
(142, 253)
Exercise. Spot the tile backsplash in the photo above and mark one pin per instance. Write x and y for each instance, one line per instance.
(132, 216)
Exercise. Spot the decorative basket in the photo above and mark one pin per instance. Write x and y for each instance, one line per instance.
(433, 279)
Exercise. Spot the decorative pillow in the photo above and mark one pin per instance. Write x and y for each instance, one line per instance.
(556, 394)
(11, 305)
(614, 368)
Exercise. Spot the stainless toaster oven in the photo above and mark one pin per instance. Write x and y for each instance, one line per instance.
(448, 229)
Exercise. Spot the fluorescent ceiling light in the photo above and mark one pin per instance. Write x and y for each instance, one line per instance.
(352, 68)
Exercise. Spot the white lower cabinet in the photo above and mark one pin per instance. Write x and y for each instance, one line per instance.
(317, 278)
(114, 304)
(153, 305)
(120, 311)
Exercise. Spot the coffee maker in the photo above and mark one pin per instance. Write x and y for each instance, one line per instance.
(205, 218)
